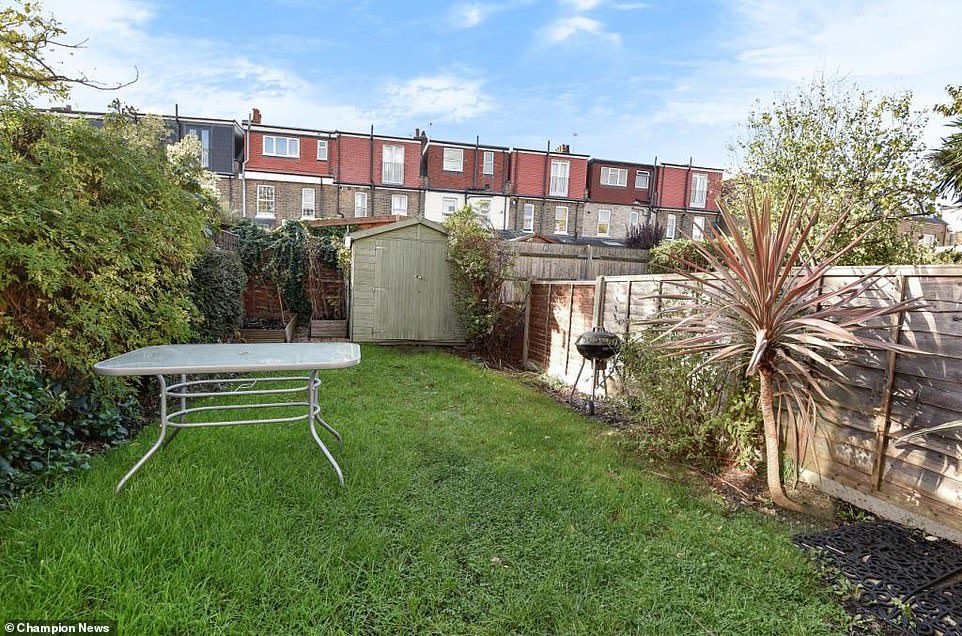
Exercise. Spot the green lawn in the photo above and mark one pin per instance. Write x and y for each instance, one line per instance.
(473, 505)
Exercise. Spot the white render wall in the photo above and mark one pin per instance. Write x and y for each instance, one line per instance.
(434, 206)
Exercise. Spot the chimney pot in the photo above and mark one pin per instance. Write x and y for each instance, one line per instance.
(256, 116)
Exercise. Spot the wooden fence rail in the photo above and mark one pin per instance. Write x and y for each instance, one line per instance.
(853, 452)
(542, 261)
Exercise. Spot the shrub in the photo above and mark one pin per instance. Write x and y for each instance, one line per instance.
(480, 264)
(217, 290)
(644, 237)
(686, 410)
(46, 425)
(670, 256)
(97, 240)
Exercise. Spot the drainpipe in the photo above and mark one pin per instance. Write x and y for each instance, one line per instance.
(474, 173)
(544, 183)
(371, 169)
(247, 154)
(337, 177)
(653, 191)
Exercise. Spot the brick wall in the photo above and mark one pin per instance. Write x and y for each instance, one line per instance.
(530, 178)
(616, 194)
(379, 203)
(305, 164)
(674, 187)
(618, 224)
(544, 215)
(472, 175)
(287, 199)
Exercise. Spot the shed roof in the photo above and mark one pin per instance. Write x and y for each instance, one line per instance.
(390, 227)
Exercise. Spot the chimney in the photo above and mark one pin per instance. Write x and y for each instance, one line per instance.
(563, 148)
(256, 116)
(417, 133)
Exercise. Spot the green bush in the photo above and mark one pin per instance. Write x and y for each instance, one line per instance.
(218, 292)
(688, 411)
(669, 256)
(97, 239)
(46, 426)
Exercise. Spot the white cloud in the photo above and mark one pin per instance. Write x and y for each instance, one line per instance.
(582, 5)
(443, 98)
(565, 28)
(468, 15)
(204, 77)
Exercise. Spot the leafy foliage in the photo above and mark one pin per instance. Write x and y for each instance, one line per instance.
(645, 236)
(217, 290)
(668, 256)
(480, 264)
(847, 151)
(948, 158)
(757, 308)
(688, 410)
(46, 424)
(97, 240)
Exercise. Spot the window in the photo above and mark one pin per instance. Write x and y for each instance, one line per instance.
(527, 217)
(487, 165)
(614, 177)
(482, 208)
(670, 225)
(698, 228)
(203, 134)
(282, 146)
(392, 164)
(322, 149)
(699, 190)
(559, 178)
(641, 179)
(561, 219)
(399, 204)
(307, 203)
(360, 204)
(265, 201)
(633, 218)
(448, 206)
(928, 240)
(604, 222)
(453, 160)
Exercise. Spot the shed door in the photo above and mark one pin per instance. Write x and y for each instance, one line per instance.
(410, 290)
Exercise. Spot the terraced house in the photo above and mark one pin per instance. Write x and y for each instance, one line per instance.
(457, 174)
(548, 192)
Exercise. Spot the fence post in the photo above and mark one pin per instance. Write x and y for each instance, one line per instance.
(585, 274)
(571, 313)
(628, 310)
(884, 418)
(527, 326)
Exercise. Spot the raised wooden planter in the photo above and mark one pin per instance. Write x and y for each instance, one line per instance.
(328, 329)
(271, 335)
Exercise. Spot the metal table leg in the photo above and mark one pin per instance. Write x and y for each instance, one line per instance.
(160, 440)
(313, 412)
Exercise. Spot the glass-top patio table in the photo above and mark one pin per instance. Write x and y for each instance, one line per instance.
(218, 359)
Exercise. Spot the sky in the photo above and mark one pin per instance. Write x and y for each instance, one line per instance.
(615, 79)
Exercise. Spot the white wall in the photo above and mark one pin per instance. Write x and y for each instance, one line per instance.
(434, 206)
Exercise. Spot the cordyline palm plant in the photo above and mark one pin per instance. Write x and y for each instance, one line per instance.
(757, 308)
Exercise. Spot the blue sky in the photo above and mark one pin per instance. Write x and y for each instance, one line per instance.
(616, 79)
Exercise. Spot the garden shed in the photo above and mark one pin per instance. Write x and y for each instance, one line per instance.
(401, 286)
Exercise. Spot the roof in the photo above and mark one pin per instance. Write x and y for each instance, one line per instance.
(515, 236)
(390, 227)
(623, 162)
(554, 153)
(462, 144)
(360, 221)
(693, 167)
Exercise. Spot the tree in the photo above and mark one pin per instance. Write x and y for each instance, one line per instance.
(757, 308)
(27, 36)
(948, 158)
(846, 150)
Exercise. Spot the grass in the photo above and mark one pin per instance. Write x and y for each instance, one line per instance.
(473, 505)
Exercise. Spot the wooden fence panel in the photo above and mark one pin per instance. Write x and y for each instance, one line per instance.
(852, 452)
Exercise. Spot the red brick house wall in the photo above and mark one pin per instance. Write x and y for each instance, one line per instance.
(305, 164)
(531, 173)
(472, 176)
(615, 194)
(674, 187)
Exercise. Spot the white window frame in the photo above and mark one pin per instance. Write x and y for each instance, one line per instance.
(322, 144)
(614, 177)
(671, 226)
(606, 213)
(928, 240)
(527, 217)
(308, 207)
(642, 174)
(266, 202)
(487, 163)
(698, 228)
(446, 202)
(560, 172)
(392, 170)
(699, 191)
(360, 204)
(292, 147)
(202, 133)
(634, 218)
(397, 199)
(559, 227)
(453, 160)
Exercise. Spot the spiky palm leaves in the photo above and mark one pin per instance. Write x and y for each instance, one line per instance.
(758, 308)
